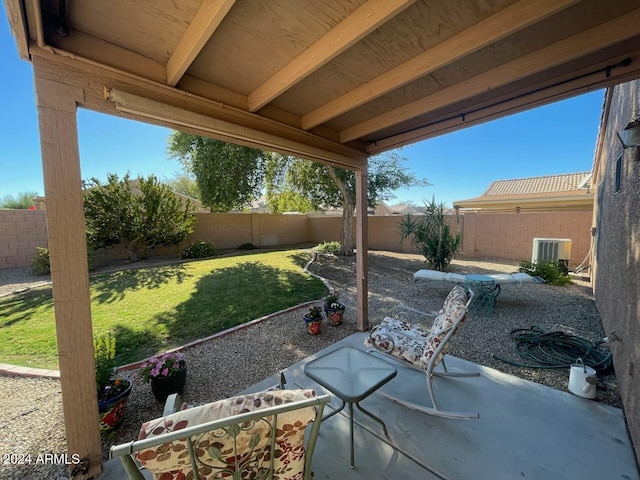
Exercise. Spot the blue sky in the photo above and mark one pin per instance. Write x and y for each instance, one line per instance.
(558, 138)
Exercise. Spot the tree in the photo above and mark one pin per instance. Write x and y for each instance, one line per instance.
(142, 220)
(22, 200)
(231, 176)
(184, 183)
(431, 234)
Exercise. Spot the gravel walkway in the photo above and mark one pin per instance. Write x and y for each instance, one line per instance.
(31, 411)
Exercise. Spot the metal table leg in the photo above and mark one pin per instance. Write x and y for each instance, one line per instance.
(384, 427)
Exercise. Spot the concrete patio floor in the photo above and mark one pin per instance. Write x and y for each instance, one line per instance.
(525, 431)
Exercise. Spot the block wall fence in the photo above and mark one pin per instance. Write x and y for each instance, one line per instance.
(505, 236)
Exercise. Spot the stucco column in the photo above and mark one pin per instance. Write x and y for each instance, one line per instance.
(57, 105)
(362, 248)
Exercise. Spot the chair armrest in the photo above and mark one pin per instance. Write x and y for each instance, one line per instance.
(172, 405)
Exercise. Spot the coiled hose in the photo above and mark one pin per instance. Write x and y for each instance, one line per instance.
(556, 350)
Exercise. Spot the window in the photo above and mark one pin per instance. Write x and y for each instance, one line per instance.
(618, 185)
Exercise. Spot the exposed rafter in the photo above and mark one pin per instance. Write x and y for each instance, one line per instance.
(490, 30)
(355, 27)
(588, 41)
(206, 21)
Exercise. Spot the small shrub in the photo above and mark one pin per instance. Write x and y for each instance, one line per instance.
(551, 271)
(247, 246)
(328, 247)
(41, 263)
(198, 250)
(104, 352)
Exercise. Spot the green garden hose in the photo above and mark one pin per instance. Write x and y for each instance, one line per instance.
(556, 350)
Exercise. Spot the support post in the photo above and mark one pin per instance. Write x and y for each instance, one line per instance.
(57, 105)
(362, 264)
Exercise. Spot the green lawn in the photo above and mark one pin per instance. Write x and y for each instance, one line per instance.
(153, 309)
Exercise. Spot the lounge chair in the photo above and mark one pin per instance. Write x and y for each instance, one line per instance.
(499, 278)
(259, 435)
(423, 348)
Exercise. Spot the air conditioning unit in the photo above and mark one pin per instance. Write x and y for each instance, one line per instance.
(551, 249)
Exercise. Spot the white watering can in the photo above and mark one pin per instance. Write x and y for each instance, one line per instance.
(582, 380)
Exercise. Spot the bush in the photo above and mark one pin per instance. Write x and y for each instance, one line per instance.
(247, 246)
(551, 271)
(41, 263)
(328, 247)
(198, 250)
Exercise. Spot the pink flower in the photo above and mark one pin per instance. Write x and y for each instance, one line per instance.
(165, 372)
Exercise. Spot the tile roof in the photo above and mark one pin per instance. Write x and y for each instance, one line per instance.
(569, 182)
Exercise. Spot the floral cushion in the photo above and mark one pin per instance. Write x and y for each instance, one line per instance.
(245, 447)
(415, 343)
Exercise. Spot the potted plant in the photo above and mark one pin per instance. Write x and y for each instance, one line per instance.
(333, 309)
(167, 374)
(313, 320)
(113, 391)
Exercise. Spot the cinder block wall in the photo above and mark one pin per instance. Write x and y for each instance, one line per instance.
(21, 231)
(510, 235)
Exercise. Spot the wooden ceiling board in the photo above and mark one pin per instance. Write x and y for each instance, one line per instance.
(149, 27)
(574, 78)
(258, 38)
(528, 40)
(409, 34)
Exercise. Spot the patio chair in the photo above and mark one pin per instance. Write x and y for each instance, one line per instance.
(423, 348)
(258, 435)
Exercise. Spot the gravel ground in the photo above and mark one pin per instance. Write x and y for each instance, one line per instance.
(31, 410)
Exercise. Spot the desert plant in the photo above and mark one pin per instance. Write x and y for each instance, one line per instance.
(431, 235)
(328, 247)
(41, 263)
(198, 250)
(314, 312)
(551, 271)
(331, 301)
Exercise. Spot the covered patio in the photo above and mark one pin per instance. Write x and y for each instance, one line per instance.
(525, 430)
(330, 81)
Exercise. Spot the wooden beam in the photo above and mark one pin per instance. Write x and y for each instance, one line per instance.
(506, 22)
(348, 32)
(93, 78)
(177, 117)
(206, 21)
(57, 105)
(588, 41)
(518, 101)
(18, 25)
(362, 250)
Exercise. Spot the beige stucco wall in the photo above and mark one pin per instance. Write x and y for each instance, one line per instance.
(510, 235)
(21, 231)
(617, 252)
(515, 233)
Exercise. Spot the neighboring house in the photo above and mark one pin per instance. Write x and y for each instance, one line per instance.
(406, 209)
(571, 191)
(616, 250)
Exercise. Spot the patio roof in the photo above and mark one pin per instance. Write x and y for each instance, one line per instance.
(525, 430)
(349, 77)
(332, 81)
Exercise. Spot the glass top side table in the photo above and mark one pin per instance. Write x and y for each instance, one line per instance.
(352, 375)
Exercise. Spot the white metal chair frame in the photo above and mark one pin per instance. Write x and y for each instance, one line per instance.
(433, 362)
(125, 451)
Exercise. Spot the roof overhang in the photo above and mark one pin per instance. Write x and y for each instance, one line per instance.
(348, 78)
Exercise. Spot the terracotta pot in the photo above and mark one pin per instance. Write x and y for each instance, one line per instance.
(162, 387)
(111, 411)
